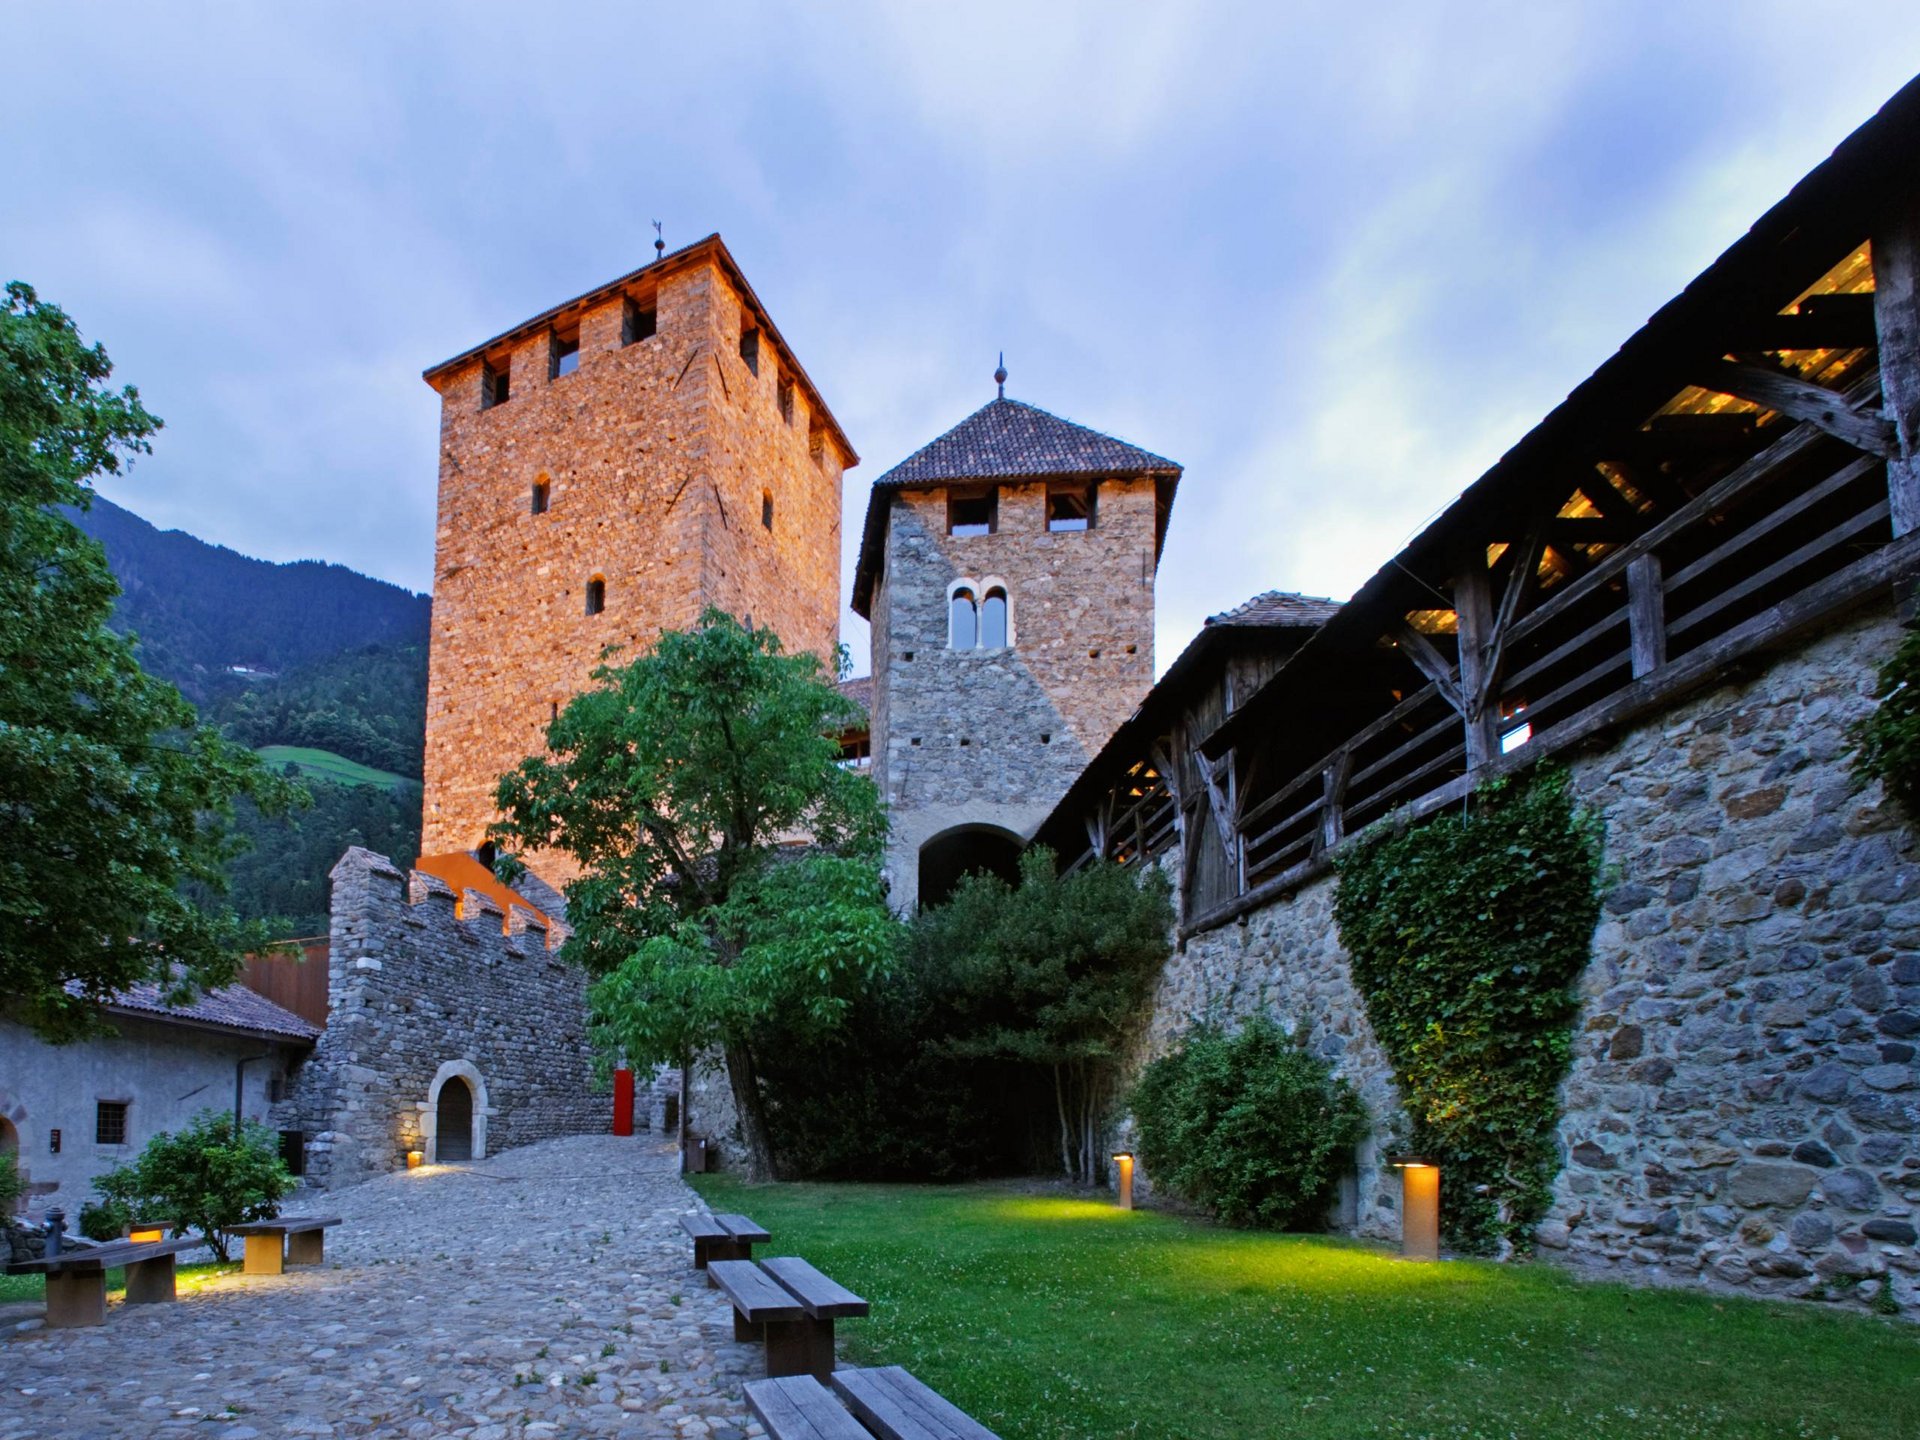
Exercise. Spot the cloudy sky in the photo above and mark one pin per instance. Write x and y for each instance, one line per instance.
(1333, 259)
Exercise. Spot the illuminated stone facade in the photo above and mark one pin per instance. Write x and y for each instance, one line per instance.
(677, 458)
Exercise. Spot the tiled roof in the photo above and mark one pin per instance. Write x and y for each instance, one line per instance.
(234, 1008)
(859, 691)
(1279, 609)
(1005, 438)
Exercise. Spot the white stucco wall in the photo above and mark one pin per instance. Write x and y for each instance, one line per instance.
(168, 1073)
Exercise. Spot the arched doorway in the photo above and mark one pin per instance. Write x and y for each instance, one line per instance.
(453, 1117)
(453, 1121)
(966, 850)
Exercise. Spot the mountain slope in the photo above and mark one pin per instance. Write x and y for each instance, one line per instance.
(204, 613)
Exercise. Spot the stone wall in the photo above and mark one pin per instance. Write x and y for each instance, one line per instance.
(658, 455)
(1742, 1108)
(423, 986)
(995, 737)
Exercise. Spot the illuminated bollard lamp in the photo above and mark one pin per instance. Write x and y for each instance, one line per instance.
(1419, 1206)
(1124, 1159)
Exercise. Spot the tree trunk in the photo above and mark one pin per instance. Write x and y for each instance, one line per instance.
(1066, 1124)
(753, 1119)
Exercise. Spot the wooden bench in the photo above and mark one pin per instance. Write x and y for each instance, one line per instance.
(77, 1279)
(799, 1407)
(290, 1240)
(895, 1406)
(790, 1305)
(722, 1237)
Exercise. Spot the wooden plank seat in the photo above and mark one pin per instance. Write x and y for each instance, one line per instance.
(799, 1407)
(823, 1301)
(895, 1406)
(287, 1240)
(722, 1237)
(77, 1279)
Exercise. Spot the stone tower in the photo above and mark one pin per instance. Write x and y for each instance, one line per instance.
(1008, 571)
(608, 469)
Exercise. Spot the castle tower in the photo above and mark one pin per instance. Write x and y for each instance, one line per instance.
(1008, 570)
(608, 469)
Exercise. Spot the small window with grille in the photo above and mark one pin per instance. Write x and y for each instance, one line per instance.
(110, 1122)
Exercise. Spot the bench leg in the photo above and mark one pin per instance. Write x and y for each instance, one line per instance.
(150, 1282)
(306, 1247)
(77, 1297)
(265, 1255)
(702, 1253)
(745, 1329)
(800, 1347)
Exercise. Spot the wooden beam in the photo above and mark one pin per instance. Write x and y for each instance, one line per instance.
(1825, 322)
(1646, 615)
(1802, 400)
(1333, 794)
(1596, 529)
(1473, 603)
(1896, 313)
(1432, 664)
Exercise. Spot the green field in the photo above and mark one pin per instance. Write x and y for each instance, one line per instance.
(187, 1279)
(1050, 1316)
(325, 765)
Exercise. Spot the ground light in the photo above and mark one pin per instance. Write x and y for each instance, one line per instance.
(148, 1232)
(1124, 1159)
(415, 1159)
(1419, 1206)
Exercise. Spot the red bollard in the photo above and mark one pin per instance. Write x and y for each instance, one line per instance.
(623, 1101)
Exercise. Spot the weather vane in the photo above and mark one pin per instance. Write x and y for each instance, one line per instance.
(659, 240)
(1000, 375)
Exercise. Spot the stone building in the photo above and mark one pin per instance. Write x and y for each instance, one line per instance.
(73, 1112)
(1008, 571)
(609, 469)
(1679, 585)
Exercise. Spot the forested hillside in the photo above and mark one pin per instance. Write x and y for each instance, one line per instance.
(307, 655)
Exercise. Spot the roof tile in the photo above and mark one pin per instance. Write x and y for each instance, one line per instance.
(1006, 438)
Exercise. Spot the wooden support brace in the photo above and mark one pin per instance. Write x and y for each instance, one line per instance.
(1333, 795)
(1647, 615)
(75, 1298)
(1802, 400)
(1432, 664)
(1473, 603)
(150, 1282)
(1896, 313)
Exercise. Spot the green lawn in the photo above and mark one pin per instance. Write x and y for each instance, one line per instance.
(187, 1279)
(325, 765)
(1048, 1316)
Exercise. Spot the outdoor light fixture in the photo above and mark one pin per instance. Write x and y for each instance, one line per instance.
(1419, 1206)
(414, 1159)
(1124, 1159)
(147, 1233)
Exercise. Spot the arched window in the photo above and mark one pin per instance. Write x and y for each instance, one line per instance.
(993, 620)
(963, 621)
(542, 493)
(596, 595)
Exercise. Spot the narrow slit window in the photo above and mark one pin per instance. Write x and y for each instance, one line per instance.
(566, 353)
(542, 496)
(750, 348)
(1070, 508)
(638, 322)
(494, 386)
(596, 595)
(993, 620)
(963, 621)
(766, 508)
(972, 514)
(785, 393)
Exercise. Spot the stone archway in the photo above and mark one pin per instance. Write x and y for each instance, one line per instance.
(465, 1073)
(12, 1114)
(966, 850)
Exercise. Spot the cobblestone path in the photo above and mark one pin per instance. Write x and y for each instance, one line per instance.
(545, 1292)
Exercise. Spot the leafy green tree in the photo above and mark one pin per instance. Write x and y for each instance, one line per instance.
(681, 783)
(1053, 973)
(207, 1177)
(112, 797)
(1251, 1125)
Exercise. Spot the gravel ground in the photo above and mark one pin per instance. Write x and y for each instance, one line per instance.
(545, 1292)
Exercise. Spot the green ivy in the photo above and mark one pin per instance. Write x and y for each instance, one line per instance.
(1887, 742)
(1468, 935)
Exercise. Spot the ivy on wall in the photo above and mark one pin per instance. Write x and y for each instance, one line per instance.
(1887, 742)
(1468, 934)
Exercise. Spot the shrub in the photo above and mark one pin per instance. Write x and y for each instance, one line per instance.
(12, 1184)
(107, 1220)
(1251, 1126)
(203, 1178)
(1887, 742)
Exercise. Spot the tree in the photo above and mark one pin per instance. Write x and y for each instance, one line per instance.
(208, 1177)
(112, 797)
(681, 783)
(1053, 973)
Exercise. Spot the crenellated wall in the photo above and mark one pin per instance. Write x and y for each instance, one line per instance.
(1743, 1108)
(424, 987)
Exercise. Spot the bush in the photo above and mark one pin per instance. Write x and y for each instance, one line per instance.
(107, 1220)
(204, 1178)
(1250, 1126)
(12, 1184)
(1887, 742)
